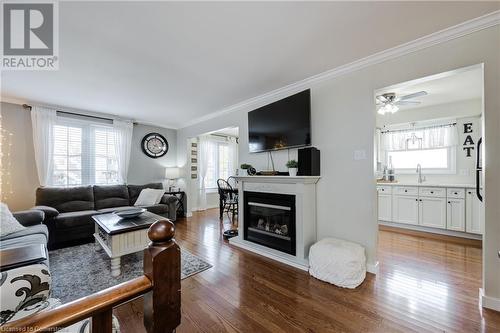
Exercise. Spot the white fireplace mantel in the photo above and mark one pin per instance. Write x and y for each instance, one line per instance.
(304, 190)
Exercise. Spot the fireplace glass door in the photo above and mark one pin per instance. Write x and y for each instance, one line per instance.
(270, 220)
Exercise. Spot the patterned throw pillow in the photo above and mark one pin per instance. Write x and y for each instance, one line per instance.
(8, 223)
(24, 291)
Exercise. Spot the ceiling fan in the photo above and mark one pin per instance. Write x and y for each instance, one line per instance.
(390, 102)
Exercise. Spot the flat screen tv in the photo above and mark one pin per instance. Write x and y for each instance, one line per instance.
(281, 125)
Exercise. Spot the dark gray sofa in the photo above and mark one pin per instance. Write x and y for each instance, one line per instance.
(68, 211)
(35, 232)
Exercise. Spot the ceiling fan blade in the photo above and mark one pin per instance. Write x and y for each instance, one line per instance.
(414, 95)
(407, 103)
(381, 98)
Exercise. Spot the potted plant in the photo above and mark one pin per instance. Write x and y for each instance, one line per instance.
(292, 166)
(244, 169)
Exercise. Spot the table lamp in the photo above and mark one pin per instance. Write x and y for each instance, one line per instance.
(171, 173)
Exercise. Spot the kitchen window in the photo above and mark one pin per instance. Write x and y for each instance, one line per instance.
(84, 154)
(433, 147)
(439, 160)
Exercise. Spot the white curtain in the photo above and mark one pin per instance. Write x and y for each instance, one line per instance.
(123, 142)
(233, 155)
(425, 138)
(43, 121)
(204, 154)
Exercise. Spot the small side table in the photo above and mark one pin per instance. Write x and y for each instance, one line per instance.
(181, 199)
(22, 256)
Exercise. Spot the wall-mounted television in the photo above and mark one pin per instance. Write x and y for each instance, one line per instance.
(281, 125)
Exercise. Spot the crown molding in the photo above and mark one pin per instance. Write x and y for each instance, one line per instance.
(442, 36)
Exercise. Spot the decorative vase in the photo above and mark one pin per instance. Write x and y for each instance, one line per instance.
(242, 172)
(292, 172)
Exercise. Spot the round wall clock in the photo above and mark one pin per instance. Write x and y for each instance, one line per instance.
(154, 145)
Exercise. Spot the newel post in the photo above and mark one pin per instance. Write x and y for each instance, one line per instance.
(162, 265)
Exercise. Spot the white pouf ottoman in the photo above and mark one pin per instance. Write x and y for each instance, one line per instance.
(339, 262)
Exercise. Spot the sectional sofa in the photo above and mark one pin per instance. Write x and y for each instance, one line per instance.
(69, 210)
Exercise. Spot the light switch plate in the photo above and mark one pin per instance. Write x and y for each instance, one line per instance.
(360, 155)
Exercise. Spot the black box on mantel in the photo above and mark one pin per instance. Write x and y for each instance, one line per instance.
(309, 164)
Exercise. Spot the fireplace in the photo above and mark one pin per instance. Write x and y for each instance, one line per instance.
(270, 220)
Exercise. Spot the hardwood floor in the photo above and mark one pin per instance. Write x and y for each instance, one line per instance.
(424, 285)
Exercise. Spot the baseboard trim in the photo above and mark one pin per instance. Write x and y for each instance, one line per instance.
(372, 268)
(434, 234)
(488, 302)
(198, 209)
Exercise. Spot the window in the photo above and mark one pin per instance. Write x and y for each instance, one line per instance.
(433, 147)
(105, 161)
(67, 156)
(219, 163)
(427, 158)
(84, 154)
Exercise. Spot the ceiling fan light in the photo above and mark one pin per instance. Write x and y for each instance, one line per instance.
(381, 110)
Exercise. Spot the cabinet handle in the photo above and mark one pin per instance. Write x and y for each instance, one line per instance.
(449, 202)
(456, 193)
(406, 190)
(470, 192)
(432, 192)
(416, 199)
(420, 199)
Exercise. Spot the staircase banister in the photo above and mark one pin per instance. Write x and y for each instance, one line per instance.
(82, 308)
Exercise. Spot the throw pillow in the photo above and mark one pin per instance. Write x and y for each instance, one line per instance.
(8, 223)
(149, 197)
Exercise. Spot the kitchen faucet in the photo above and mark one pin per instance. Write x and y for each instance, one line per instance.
(419, 171)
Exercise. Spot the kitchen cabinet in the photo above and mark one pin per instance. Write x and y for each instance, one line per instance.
(474, 213)
(385, 207)
(455, 214)
(405, 209)
(432, 212)
(449, 208)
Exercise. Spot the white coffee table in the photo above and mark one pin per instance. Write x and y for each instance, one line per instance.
(118, 236)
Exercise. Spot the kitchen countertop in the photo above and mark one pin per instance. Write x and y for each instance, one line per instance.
(428, 184)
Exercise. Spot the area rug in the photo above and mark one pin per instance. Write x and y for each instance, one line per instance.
(79, 271)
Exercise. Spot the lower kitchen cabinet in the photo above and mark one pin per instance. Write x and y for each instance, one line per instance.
(456, 209)
(455, 215)
(432, 212)
(384, 207)
(405, 209)
(474, 213)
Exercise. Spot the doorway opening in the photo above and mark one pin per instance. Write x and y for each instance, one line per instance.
(428, 159)
(213, 161)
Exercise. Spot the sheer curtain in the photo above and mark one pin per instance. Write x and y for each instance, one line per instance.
(233, 155)
(432, 137)
(43, 121)
(123, 142)
(204, 154)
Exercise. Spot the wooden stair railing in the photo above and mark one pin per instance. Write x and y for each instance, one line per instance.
(160, 285)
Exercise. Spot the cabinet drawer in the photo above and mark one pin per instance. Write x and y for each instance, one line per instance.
(405, 190)
(456, 193)
(436, 192)
(384, 189)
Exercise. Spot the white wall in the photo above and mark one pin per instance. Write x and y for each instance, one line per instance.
(343, 115)
(468, 111)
